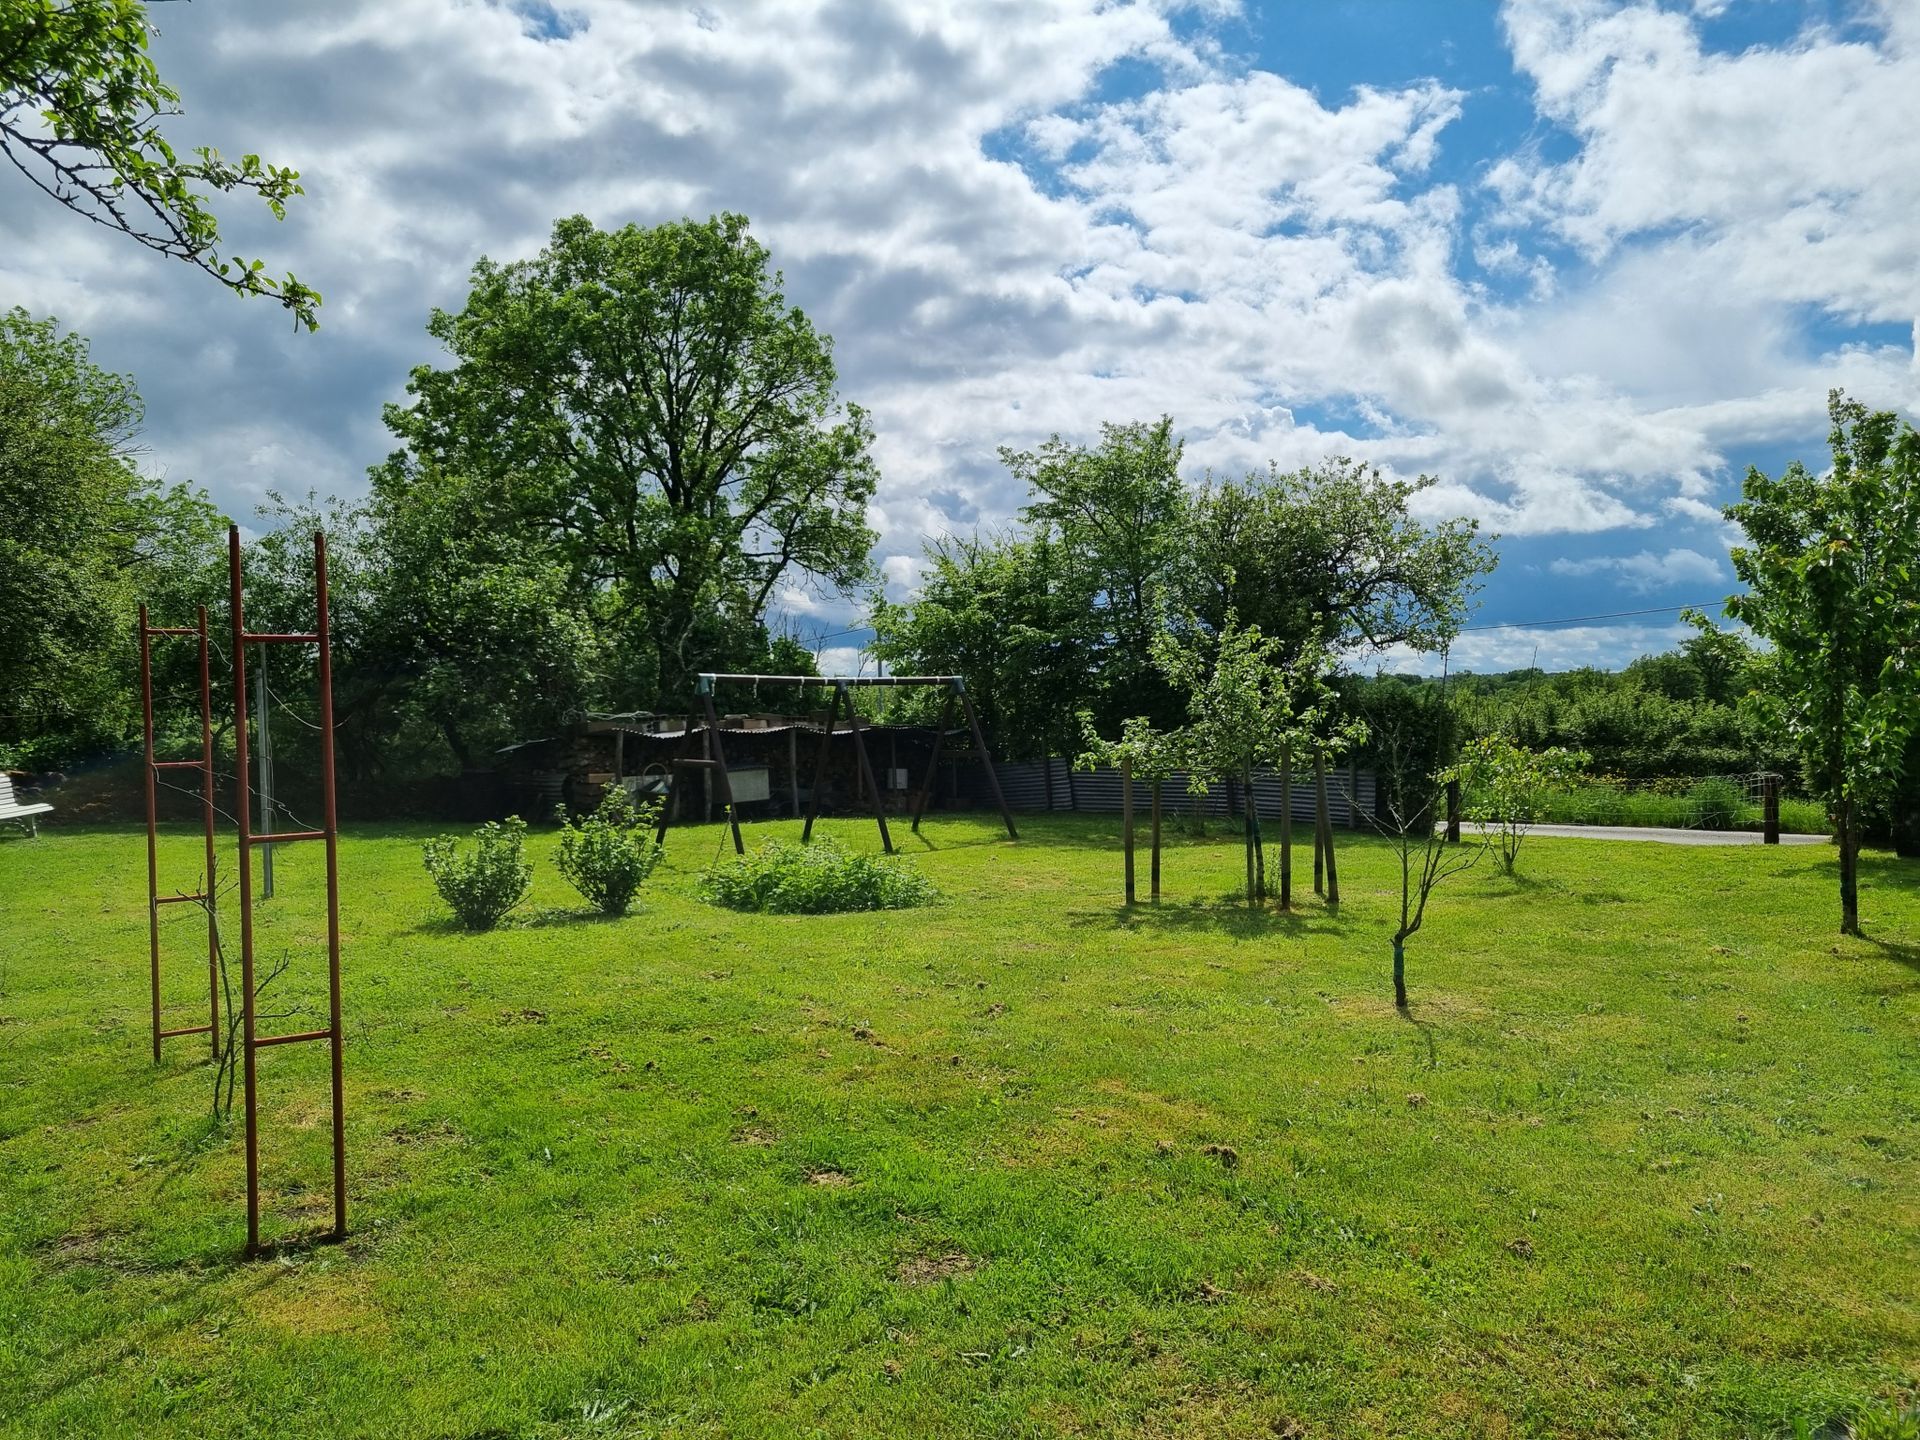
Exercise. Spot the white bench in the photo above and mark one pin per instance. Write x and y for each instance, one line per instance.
(12, 812)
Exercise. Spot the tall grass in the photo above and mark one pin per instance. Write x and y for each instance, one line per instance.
(1611, 802)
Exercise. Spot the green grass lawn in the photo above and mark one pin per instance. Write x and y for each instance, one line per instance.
(1642, 1163)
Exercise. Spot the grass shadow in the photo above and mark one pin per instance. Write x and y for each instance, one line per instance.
(551, 917)
(1222, 915)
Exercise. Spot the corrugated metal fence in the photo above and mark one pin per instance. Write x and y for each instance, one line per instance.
(1039, 786)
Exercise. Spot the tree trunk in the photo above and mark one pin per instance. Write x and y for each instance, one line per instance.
(1847, 832)
(1399, 972)
(1260, 840)
(1286, 830)
(1126, 818)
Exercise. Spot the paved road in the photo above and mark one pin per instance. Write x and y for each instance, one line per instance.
(1665, 836)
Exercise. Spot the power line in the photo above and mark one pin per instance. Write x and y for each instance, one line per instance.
(1584, 619)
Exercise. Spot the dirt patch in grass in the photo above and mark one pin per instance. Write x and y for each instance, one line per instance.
(919, 1270)
(829, 1179)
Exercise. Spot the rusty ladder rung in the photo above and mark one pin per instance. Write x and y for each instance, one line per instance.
(326, 1034)
(286, 836)
(178, 899)
(179, 765)
(171, 630)
(262, 638)
(190, 1030)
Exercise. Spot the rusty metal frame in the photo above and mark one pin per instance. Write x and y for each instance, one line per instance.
(329, 836)
(206, 895)
(842, 687)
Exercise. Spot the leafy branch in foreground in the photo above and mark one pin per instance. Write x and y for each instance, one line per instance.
(81, 104)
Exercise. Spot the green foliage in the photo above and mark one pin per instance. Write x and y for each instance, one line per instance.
(1886, 1421)
(1717, 804)
(1832, 566)
(480, 886)
(822, 878)
(1060, 616)
(85, 539)
(1114, 518)
(608, 855)
(1154, 755)
(81, 103)
(641, 416)
(1330, 554)
(1250, 705)
(1413, 735)
(1003, 613)
(1507, 786)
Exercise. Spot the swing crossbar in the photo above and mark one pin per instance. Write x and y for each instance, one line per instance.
(706, 681)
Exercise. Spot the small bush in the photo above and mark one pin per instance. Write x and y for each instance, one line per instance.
(608, 856)
(818, 879)
(481, 886)
(1717, 804)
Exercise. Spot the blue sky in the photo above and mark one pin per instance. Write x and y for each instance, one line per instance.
(1581, 260)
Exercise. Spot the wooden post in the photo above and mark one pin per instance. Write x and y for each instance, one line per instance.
(933, 762)
(1126, 817)
(793, 770)
(1770, 816)
(1453, 811)
(986, 758)
(1286, 829)
(717, 755)
(1326, 827)
(1319, 826)
(1154, 881)
(820, 767)
(1246, 841)
(866, 773)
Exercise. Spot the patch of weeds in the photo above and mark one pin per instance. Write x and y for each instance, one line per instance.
(819, 879)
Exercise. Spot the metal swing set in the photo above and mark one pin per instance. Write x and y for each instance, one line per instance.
(704, 723)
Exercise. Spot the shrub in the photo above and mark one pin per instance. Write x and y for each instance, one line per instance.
(482, 885)
(608, 855)
(1717, 804)
(818, 879)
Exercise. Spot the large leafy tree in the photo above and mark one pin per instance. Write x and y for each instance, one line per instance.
(448, 639)
(1332, 554)
(645, 407)
(1832, 566)
(86, 537)
(81, 109)
(1007, 614)
(1115, 515)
